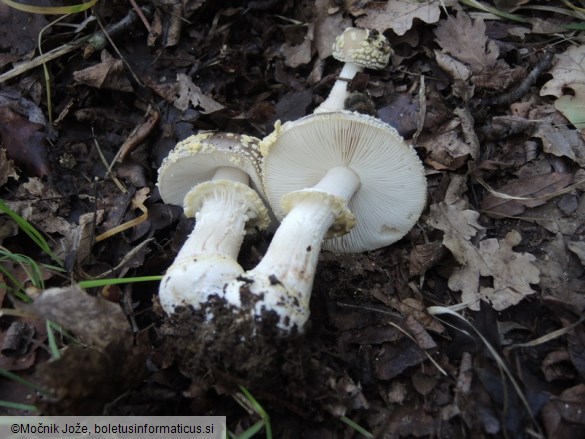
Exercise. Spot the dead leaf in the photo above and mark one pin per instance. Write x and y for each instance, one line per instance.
(139, 133)
(25, 142)
(535, 188)
(425, 256)
(298, 54)
(458, 72)
(399, 14)
(109, 74)
(392, 359)
(6, 168)
(19, 343)
(19, 30)
(466, 40)
(327, 27)
(188, 92)
(75, 246)
(569, 73)
(447, 150)
(561, 141)
(560, 273)
(510, 274)
(564, 415)
(418, 331)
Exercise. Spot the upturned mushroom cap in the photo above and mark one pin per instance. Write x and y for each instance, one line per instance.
(392, 191)
(195, 160)
(367, 48)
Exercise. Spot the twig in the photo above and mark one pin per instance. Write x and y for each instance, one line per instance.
(522, 88)
(95, 41)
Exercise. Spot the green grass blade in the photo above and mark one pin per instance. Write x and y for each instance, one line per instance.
(259, 410)
(487, 8)
(12, 376)
(28, 228)
(124, 280)
(18, 406)
(250, 432)
(51, 328)
(361, 430)
(49, 10)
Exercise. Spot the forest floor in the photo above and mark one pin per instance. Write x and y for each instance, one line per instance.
(470, 326)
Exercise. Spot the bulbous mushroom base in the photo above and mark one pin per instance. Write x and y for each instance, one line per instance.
(192, 281)
(230, 341)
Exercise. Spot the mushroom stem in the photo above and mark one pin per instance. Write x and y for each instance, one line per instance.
(339, 181)
(232, 174)
(283, 280)
(208, 259)
(338, 94)
(219, 227)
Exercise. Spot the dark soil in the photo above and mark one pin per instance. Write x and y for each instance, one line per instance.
(373, 352)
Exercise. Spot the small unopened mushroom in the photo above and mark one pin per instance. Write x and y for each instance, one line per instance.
(358, 49)
(342, 175)
(210, 175)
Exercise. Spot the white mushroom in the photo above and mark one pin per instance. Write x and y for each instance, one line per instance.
(358, 49)
(342, 175)
(209, 174)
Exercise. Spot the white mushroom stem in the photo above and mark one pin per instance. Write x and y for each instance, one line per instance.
(207, 260)
(338, 94)
(220, 220)
(283, 280)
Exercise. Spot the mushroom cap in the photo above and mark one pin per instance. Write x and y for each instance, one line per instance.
(365, 47)
(195, 160)
(392, 192)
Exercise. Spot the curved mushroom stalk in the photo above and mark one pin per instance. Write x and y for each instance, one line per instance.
(358, 49)
(207, 260)
(282, 282)
(336, 99)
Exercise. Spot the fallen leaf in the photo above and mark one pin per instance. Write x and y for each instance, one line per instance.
(417, 330)
(6, 168)
(576, 345)
(510, 273)
(447, 150)
(466, 40)
(564, 415)
(561, 141)
(425, 256)
(188, 92)
(76, 244)
(19, 30)
(25, 142)
(298, 54)
(327, 28)
(526, 192)
(19, 343)
(110, 73)
(392, 359)
(398, 15)
(560, 273)
(569, 73)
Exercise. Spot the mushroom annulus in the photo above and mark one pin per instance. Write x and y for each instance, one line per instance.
(358, 49)
(344, 176)
(210, 175)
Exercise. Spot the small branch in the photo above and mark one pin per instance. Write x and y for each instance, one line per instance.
(523, 87)
(96, 41)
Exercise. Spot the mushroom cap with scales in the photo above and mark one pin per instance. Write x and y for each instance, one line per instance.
(365, 47)
(198, 158)
(392, 184)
